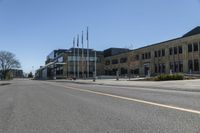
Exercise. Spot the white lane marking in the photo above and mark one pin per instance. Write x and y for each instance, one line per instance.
(130, 99)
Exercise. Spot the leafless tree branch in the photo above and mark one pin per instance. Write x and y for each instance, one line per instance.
(8, 61)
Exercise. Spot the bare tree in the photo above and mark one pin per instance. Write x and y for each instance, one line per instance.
(8, 61)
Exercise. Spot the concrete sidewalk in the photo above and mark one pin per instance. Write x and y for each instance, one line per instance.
(181, 85)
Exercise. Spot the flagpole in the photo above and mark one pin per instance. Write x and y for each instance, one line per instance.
(82, 56)
(74, 57)
(95, 65)
(88, 69)
(78, 56)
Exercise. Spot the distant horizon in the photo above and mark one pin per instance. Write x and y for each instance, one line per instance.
(32, 29)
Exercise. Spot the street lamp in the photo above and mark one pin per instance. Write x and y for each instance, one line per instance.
(95, 66)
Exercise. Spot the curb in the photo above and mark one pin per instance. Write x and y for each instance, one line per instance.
(149, 87)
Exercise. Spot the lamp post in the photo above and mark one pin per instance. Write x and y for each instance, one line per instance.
(88, 54)
(74, 58)
(95, 66)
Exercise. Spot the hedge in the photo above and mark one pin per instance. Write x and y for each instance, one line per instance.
(164, 77)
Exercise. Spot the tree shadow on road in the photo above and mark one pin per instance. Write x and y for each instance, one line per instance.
(2, 84)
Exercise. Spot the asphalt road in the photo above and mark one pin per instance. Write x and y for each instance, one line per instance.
(55, 107)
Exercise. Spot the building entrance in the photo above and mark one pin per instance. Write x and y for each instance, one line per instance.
(147, 69)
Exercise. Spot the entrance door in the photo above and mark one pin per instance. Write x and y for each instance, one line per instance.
(146, 69)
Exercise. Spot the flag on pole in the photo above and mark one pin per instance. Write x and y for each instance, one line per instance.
(82, 66)
(77, 57)
(74, 57)
(73, 42)
(77, 40)
(87, 37)
(82, 38)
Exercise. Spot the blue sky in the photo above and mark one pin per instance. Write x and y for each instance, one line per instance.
(31, 29)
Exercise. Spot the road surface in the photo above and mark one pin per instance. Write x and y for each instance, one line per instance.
(28, 106)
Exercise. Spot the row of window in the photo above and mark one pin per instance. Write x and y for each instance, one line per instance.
(176, 66)
(175, 50)
(146, 55)
(115, 61)
(193, 65)
(159, 53)
(123, 60)
(159, 68)
(193, 47)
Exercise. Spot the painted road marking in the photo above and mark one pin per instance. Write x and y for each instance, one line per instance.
(130, 99)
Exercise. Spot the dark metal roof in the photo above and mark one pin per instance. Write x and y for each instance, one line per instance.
(113, 48)
(114, 51)
(194, 31)
(156, 44)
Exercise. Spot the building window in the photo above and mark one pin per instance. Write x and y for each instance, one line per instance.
(114, 61)
(163, 68)
(196, 65)
(171, 66)
(146, 56)
(180, 49)
(195, 46)
(123, 60)
(170, 51)
(176, 67)
(155, 54)
(189, 47)
(143, 56)
(159, 53)
(160, 68)
(163, 52)
(190, 65)
(137, 57)
(156, 69)
(149, 55)
(175, 50)
(98, 60)
(107, 62)
(180, 66)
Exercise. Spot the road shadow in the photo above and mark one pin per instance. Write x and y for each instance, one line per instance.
(3, 84)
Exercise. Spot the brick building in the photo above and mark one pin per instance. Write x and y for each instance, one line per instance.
(179, 55)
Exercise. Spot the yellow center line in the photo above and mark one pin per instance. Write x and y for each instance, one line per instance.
(130, 99)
